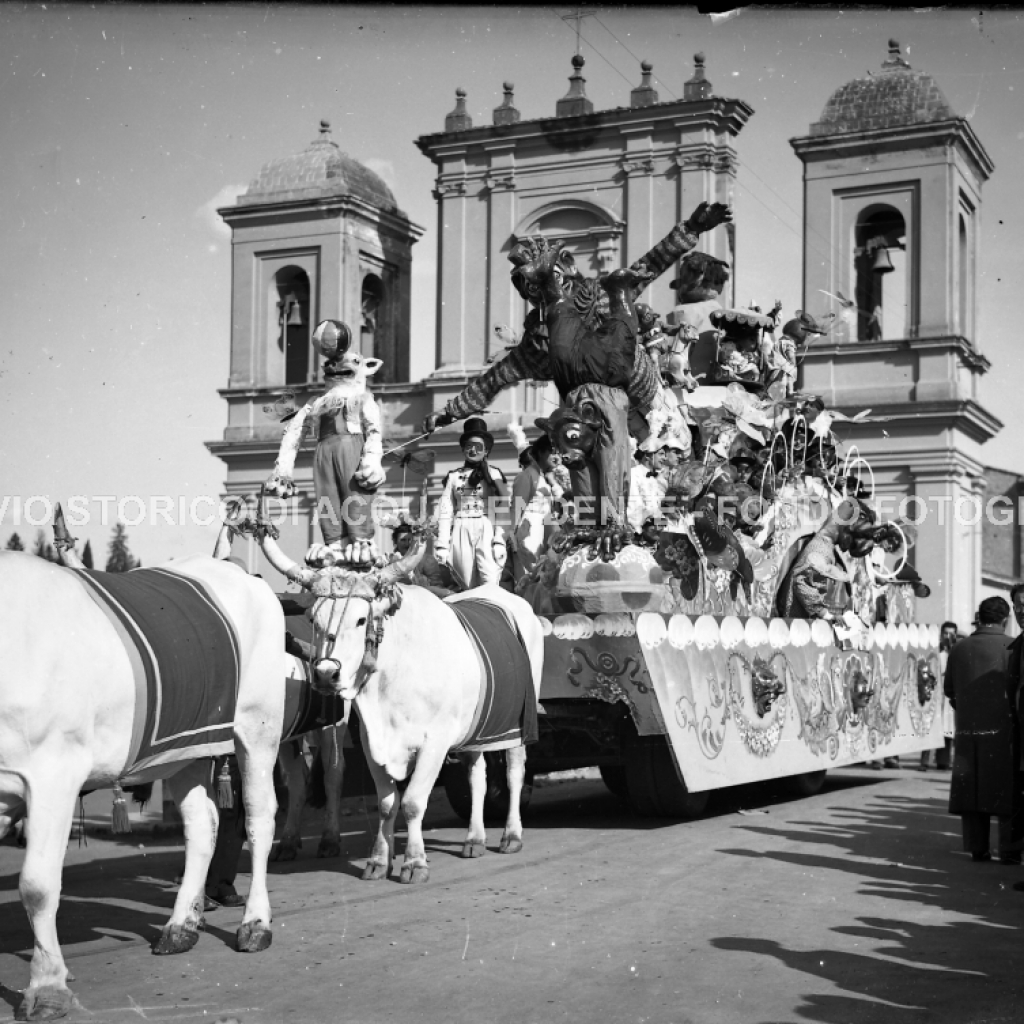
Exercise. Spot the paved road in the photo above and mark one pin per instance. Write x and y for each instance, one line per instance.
(855, 905)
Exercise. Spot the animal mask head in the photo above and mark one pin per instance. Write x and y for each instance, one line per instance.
(925, 681)
(861, 691)
(574, 432)
(524, 257)
(351, 368)
(765, 687)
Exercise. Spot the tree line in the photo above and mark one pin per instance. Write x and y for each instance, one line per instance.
(119, 557)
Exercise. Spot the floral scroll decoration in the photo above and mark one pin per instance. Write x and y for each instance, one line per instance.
(817, 705)
(710, 733)
(677, 556)
(760, 738)
(605, 676)
(880, 714)
(768, 696)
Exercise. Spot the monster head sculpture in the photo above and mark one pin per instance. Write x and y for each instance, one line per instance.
(926, 681)
(765, 686)
(529, 255)
(575, 431)
(861, 690)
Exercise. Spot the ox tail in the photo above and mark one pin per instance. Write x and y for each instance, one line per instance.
(316, 789)
(24, 793)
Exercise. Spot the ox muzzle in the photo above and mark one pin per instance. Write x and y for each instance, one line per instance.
(327, 676)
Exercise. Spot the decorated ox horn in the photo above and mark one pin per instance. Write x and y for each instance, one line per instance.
(63, 542)
(276, 557)
(395, 571)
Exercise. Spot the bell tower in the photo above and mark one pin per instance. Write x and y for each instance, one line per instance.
(892, 207)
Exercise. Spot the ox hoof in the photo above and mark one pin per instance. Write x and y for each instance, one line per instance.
(510, 844)
(413, 873)
(286, 849)
(330, 845)
(253, 937)
(44, 1003)
(473, 848)
(374, 871)
(175, 938)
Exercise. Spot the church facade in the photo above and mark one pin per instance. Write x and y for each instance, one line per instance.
(893, 182)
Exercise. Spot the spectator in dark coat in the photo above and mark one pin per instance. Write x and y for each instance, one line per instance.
(986, 767)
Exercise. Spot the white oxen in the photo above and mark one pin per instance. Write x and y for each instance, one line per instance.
(67, 706)
(417, 693)
(323, 787)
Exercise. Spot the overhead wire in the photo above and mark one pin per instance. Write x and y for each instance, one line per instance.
(803, 235)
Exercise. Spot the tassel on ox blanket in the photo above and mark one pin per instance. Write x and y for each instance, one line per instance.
(225, 790)
(120, 822)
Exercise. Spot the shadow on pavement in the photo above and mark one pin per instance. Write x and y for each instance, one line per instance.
(903, 850)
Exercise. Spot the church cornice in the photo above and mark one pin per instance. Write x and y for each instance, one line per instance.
(814, 148)
(970, 356)
(254, 214)
(967, 416)
(716, 113)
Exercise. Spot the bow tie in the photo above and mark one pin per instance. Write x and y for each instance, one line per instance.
(651, 472)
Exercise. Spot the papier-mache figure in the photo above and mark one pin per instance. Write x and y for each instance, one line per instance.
(818, 584)
(469, 541)
(785, 354)
(669, 347)
(347, 463)
(592, 356)
(540, 485)
(698, 287)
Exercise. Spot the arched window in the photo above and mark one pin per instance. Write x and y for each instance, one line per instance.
(882, 292)
(290, 322)
(370, 307)
(964, 278)
(590, 232)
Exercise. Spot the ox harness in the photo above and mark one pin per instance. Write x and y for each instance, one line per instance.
(185, 660)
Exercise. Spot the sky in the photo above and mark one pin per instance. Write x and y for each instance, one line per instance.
(123, 128)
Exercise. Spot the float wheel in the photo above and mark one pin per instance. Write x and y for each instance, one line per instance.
(807, 783)
(656, 789)
(614, 777)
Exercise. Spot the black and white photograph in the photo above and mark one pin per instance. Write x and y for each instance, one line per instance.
(511, 515)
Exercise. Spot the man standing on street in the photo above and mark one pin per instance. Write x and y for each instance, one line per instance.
(944, 755)
(986, 767)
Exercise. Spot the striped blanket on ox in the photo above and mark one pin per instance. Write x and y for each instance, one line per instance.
(506, 713)
(184, 654)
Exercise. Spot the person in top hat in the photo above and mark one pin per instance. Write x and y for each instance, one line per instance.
(347, 463)
(469, 541)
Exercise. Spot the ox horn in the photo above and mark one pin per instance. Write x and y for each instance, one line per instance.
(395, 571)
(63, 542)
(278, 559)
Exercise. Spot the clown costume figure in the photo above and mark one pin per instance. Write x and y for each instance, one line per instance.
(469, 542)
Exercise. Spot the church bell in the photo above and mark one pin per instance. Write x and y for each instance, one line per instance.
(883, 264)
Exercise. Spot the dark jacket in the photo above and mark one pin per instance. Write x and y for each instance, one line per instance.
(1016, 651)
(979, 686)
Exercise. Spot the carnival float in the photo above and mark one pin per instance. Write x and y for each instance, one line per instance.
(757, 620)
